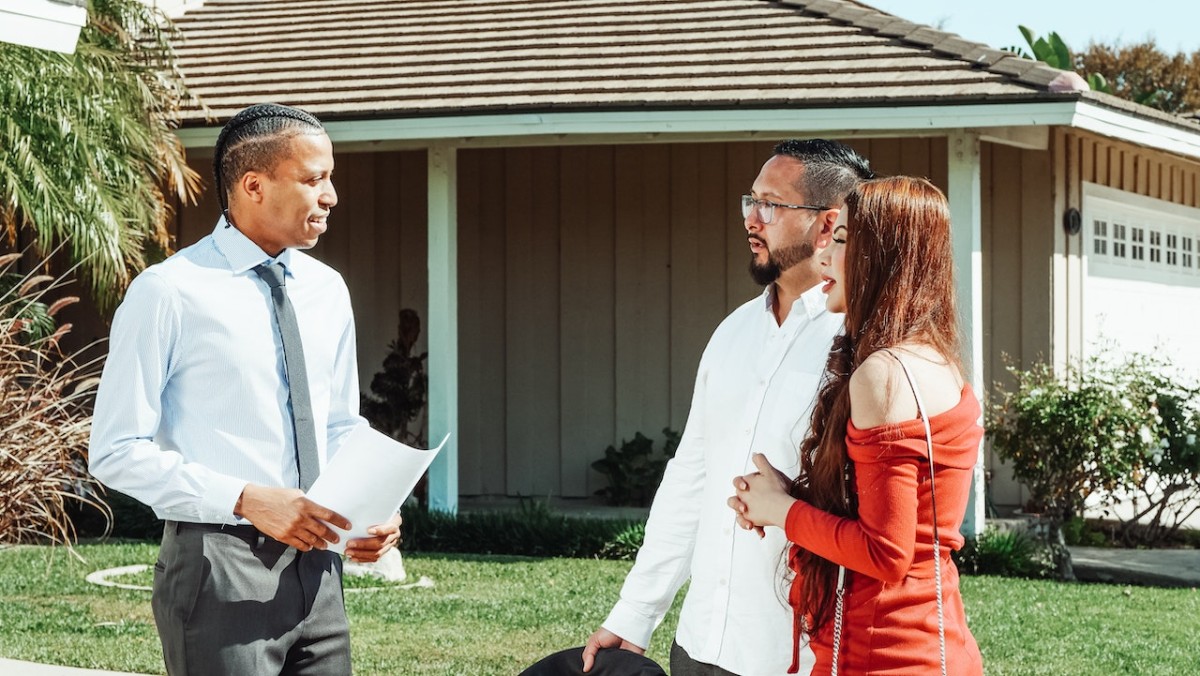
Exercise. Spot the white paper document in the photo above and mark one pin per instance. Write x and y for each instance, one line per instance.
(368, 479)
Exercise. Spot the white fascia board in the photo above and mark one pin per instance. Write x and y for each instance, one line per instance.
(1137, 130)
(667, 125)
(41, 24)
(663, 125)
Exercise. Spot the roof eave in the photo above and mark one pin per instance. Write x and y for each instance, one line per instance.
(540, 128)
(1179, 137)
(692, 123)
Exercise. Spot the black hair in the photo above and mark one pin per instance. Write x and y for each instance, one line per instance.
(832, 170)
(253, 139)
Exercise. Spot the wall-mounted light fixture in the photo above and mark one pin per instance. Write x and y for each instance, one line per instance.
(1072, 221)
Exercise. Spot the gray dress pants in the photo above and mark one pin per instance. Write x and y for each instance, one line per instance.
(229, 600)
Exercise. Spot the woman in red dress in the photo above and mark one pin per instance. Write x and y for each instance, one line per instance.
(874, 495)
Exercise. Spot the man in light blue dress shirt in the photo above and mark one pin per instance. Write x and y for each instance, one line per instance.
(194, 416)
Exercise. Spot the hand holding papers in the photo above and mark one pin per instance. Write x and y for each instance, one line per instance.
(368, 479)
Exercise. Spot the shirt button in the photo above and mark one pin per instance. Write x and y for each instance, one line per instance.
(723, 582)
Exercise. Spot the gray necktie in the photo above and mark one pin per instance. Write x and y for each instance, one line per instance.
(297, 375)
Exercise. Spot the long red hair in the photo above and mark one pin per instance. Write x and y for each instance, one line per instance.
(899, 284)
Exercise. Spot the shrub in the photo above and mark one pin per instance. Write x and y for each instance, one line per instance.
(123, 518)
(1012, 553)
(1166, 492)
(634, 472)
(624, 545)
(45, 400)
(400, 391)
(530, 530)
(1112, 430)
(1081, 532)
(1070, 435)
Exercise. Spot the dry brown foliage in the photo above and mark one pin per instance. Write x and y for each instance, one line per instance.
(1144, 73)
(45, 416)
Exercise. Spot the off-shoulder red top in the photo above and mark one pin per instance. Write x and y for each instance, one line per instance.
(890, 617)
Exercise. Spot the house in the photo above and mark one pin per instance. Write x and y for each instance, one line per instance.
(552, 185)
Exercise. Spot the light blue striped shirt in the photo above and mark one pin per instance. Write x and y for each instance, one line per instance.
(193, 401)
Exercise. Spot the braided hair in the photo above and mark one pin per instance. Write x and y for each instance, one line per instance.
(253, 140)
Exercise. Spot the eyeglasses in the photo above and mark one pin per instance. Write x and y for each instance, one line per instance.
(766, 209)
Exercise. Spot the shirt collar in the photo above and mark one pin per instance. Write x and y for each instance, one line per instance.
(243, 254)
(811, 301)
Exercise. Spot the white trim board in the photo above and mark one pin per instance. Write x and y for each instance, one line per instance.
(1024, 123)
(1137, 130)
(1139, 201)
(667, 125)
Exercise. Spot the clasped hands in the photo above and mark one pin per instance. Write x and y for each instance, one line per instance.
(762, 497)
(291, 518)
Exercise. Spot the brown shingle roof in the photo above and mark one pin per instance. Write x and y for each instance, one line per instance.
(354, 59)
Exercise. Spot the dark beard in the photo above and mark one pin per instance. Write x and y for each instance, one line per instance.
(779, 262)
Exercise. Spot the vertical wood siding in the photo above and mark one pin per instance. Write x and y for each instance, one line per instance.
(618, 263)
(590, 280)
(592, 276)
(1018, 241)
(1123, 166)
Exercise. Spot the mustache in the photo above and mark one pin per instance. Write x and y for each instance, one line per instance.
(758, 239)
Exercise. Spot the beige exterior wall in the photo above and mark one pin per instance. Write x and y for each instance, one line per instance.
(590, 279)
(1033, 271)
(592, 276)
(1018, 229)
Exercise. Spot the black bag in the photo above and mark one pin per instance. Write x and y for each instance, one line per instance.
(609, 662)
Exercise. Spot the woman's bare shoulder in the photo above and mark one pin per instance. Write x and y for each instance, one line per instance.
(876, 395)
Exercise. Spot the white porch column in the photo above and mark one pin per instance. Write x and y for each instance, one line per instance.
(965, 214)
(443, 325)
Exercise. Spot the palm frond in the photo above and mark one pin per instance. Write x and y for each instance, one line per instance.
(90, 156)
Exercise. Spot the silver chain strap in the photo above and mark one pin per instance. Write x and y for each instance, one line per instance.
(837, 618)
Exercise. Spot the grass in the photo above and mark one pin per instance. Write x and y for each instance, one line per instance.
(496, 615)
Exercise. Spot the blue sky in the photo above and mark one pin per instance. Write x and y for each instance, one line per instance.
(1175, 24)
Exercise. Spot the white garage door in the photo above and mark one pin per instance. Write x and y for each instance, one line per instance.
(1142, 267)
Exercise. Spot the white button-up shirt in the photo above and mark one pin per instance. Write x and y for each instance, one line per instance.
(193, 401)
(754, 392)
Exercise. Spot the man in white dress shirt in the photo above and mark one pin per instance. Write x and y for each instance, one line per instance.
(196, 416)
(754, 389)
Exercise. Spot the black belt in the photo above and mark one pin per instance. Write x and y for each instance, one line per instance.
(244, 531)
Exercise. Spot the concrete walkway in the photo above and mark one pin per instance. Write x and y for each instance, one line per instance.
(16, 668)
(1155, 567)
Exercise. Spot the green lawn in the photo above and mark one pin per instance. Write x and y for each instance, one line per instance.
(496, 615)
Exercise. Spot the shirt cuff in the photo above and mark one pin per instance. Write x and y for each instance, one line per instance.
(219, 500)
(630, 625)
